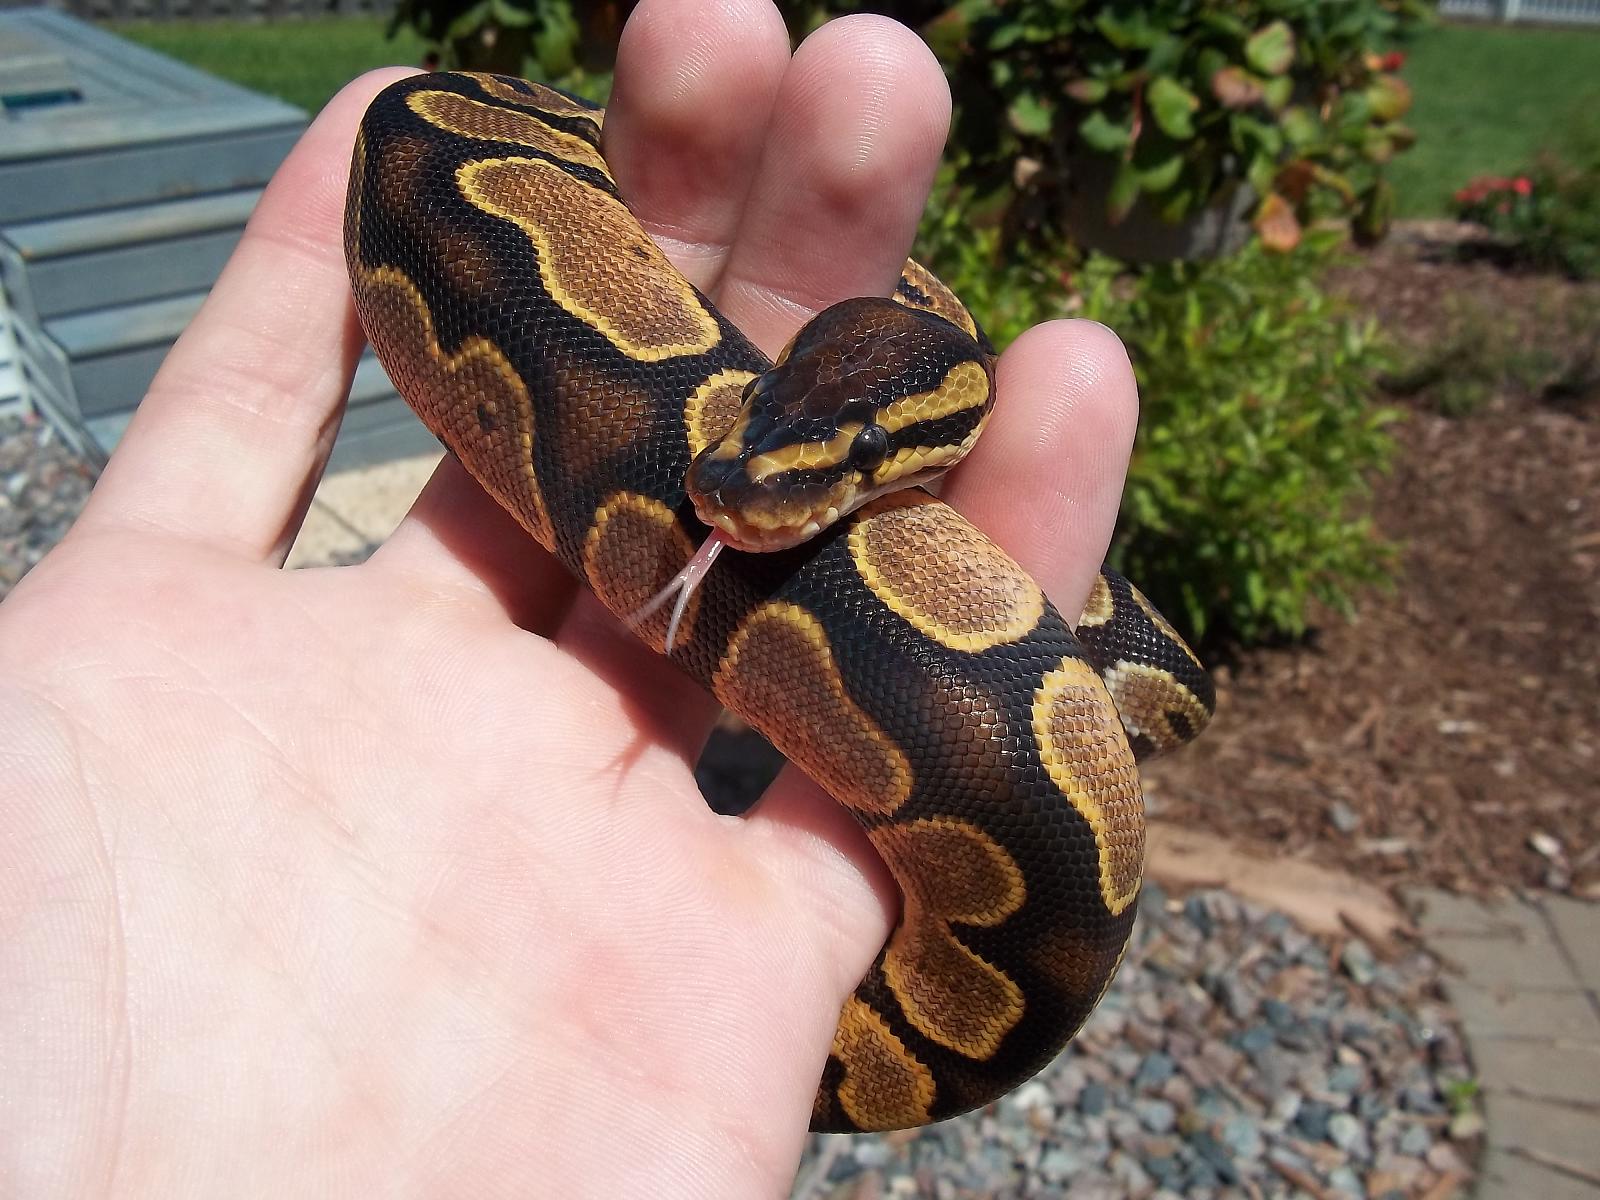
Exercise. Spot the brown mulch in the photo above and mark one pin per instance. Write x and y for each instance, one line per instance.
(1450, 733)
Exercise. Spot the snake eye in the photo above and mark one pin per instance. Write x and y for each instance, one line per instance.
(869, 449)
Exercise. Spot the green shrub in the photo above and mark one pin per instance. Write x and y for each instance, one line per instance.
(1189, 100)
(1550, 215)
(1258, 429)
(1176, 103)
(1258, 437)
(1566, 194)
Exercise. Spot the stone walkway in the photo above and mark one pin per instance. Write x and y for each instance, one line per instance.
(1526, 981)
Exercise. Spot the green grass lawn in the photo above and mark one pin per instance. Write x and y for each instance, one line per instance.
(1487, 99)
(303, 62)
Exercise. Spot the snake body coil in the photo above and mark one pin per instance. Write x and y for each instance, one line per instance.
(899, 657)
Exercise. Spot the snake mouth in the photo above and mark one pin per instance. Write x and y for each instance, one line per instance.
(758, 538)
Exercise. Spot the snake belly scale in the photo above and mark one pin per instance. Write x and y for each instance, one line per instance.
(899, 657)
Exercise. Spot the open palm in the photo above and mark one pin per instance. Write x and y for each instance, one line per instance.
(394, 878)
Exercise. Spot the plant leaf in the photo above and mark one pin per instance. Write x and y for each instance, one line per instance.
(1123, 194)
(1097, 130)
(1300, 126)
(1275, 222)
(1172, 104)
(1271, 50)
(1160, 175)
(1234, 87)
(1390, 97)
(1029, 115)
(1087, 91)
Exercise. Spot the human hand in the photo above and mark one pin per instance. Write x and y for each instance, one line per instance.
(394, 878)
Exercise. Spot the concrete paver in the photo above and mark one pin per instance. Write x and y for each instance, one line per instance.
(1556, 1070)
(1575, 925)
(1510, 1012)
(1511, 946)
(354, 510)
(1524, 982)
(1513, 1177)
(325, 537)
(373, 499)
(1564, 1132)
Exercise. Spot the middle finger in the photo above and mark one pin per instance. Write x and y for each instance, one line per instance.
(859, 122)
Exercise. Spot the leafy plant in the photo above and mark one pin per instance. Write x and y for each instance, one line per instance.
(1259, 431)
(1191, 99)
(1258, 437)
(1549, 216)
(558, 36)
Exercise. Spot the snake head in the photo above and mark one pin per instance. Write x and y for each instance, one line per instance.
(870, 396)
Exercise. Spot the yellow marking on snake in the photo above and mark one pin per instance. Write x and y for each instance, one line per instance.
(712, 407)
(884, 1085)
(966, 386)
(779, 670)
(489, 122)
(949, 993)
(956, 870)
(633, 547)
(959, 589)
(951, 871)
(621, 285)
(943, 301)
(1086, 755)
(1101, 605)
(473, 399)
(804, 456)
(548, 100)
(916, 460)
(1146, 695)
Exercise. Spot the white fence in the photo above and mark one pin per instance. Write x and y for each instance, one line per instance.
(1530, 12)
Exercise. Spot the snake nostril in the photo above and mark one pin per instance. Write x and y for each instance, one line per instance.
(710, 474)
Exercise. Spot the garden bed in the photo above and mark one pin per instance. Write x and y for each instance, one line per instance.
(1447, 733)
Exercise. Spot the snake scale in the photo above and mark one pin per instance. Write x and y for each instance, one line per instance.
(898, 656)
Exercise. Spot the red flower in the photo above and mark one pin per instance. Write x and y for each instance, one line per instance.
(1522, 185)
(1393, 60)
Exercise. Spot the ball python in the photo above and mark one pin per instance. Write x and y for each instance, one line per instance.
(898, 656)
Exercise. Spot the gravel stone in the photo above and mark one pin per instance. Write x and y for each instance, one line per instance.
(1242, 1137)
(1093, 1099)
(1415, 1141)
(1347, 1133)
(1157, 1116)
(1358, 961)
(43, 487)
(1154, 1071)
(1343, 818)
(1232, 1057)
(1312, 1120)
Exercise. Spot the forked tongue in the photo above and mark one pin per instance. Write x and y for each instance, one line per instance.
(680, 587)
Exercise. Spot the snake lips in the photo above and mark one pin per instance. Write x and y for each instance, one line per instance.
(900, 658)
